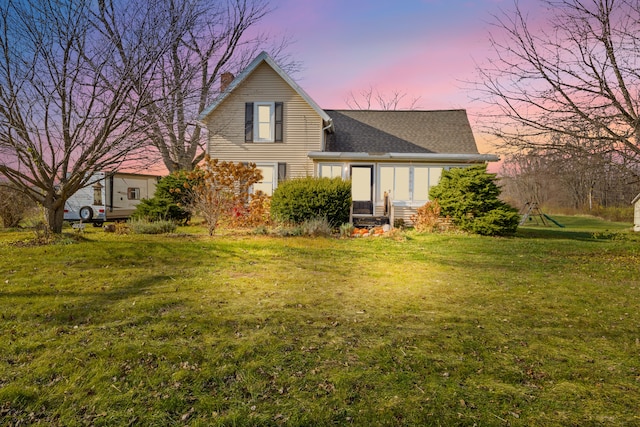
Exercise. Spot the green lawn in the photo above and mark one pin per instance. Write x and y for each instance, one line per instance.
(536, 330)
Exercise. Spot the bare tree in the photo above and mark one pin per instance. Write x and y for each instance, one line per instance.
(575, 75)
(67, 103)
(218, 38)
(524, 179)
(14, 205)
(576, 177)
(370, 98)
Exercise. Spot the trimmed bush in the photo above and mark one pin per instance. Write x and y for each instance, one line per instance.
(305, 199)
(470, 197)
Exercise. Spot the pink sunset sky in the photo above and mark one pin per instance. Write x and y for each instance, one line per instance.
(427, 49)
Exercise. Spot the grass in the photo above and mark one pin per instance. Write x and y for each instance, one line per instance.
(536, 330)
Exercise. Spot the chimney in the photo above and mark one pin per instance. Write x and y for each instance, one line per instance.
(225, 80)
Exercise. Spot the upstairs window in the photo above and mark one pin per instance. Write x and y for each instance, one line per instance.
(263, 121)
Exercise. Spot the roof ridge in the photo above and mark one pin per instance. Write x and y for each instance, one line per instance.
(395, 111)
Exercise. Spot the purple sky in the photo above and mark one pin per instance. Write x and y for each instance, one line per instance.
(424, 48)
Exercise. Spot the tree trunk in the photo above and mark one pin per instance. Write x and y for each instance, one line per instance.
(55, 217)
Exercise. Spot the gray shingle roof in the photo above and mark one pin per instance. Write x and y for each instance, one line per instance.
(366, 131)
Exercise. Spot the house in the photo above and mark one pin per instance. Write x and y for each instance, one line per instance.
(263, 116)
(636, 213)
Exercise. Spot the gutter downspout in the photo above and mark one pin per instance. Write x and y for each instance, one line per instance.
(324, 138)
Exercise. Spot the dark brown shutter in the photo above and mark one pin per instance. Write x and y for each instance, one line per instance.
(282, 172)
(248, 122)
(278, 121)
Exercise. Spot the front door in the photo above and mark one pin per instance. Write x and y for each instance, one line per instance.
(362, 189)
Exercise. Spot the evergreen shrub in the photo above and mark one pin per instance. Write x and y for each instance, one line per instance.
(470, 197)
(304, 199)
(497, 222)
(170, 200)
(160, 209)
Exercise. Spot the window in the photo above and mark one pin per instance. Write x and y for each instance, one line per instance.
(266, 185)
(434, 176)
(272, 174)
(263, 125)
(263, 122)
(133, 193)
(330, 171)
(421, 183)
(282, 172)
(408, 184)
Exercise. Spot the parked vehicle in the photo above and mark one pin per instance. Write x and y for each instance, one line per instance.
(109, 197)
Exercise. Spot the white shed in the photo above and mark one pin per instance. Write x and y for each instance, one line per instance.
(636, 213)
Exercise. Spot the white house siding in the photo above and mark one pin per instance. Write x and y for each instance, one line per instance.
(401, 210)
(302, 130)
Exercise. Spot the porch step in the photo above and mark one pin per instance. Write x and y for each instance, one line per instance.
(369, 221)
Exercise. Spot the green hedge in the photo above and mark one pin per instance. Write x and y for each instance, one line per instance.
(303, 199)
